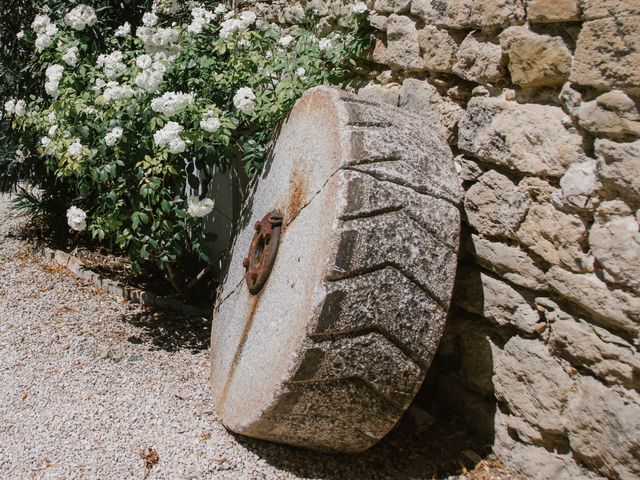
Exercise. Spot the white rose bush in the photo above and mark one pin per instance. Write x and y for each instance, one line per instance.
(127, 124)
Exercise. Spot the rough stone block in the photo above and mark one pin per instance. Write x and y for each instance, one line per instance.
(605, 355)
(546, 11)
(384, 6)
(462, 14)
(615, 243)
(534, 139)
(319, 7)
(293, 15)
(594, 9)
(608, 54)
(388, 94)
(612, 114)
(495, 300)
(619, 167)
(438, 48)
(557, 237)
(535, 60)
(611, 308)
(529, 461)
(495, 206)
(534, 385)
(403, 50)
(379, 51)
(379, 22)
(402, 6)
(421, 97)
(570, 98)
(511, 263)
(468, 170)
(478, 59)
(539, 190)
(579, 185)
(604, 428)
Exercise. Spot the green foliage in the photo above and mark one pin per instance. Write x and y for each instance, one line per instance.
(101, 138)
(20, 75)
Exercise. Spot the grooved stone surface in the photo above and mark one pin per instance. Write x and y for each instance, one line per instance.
(333, 349)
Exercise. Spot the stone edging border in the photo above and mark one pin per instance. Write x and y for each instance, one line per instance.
(135, 295)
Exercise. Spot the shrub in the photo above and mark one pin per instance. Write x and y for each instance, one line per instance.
(128, 121)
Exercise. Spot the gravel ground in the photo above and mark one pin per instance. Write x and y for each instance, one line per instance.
(94, 387)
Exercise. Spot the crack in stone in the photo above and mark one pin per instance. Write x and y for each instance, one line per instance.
(286, 225)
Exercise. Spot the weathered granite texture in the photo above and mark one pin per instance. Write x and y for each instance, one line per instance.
(331, 352)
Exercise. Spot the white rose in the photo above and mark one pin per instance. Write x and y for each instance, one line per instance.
(286, 41)
(20, 108)
(114, 91)
(70, 57)
(112, 64)
(229, 27)
(144, 61)
(123, 30)
(196, 26)
(210, 124)
(42, 42)
(77, 218)
(245, 100)
(54, 75)
(40, 23)
(10, 106)
(177, 145)
(81, 17)
(199, 208)
(149, 19)
(247, 18)
(149, 80)
(170, 135)
(171, 102)
(112, 137)
(359, 7)
(324, 44)
(75, 149)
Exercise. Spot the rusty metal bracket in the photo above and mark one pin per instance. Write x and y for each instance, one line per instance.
(263, 251)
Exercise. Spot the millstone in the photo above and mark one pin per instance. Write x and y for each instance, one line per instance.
(332, 349)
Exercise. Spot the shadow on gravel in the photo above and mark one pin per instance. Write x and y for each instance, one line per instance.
(170, 331)
(444, 449)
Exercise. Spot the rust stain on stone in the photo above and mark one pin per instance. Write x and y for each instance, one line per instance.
(297, 196)
(236, 356)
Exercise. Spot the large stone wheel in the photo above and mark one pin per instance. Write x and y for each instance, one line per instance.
(331, 351)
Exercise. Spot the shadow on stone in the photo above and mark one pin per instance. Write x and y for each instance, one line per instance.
(170, 331)
(431, 450)
(460, 380)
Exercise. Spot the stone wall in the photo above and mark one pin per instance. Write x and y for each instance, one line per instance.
(539, 102)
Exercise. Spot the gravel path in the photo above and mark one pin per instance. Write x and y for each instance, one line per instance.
(89, 384)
